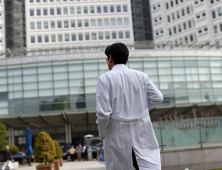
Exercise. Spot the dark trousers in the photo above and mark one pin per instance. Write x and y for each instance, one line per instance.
(134, 160)
(85, 155)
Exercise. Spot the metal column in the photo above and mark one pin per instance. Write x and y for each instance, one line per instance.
(12, 135)
(67, 138)
(70, 133)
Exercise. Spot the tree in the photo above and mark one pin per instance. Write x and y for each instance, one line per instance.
(3, 135)
(58, 150)
(13, 149)
(44, 149)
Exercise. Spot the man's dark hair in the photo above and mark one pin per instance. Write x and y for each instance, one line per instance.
(119, 52)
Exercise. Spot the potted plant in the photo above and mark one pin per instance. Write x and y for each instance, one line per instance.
(58, 155)
(44, 151)
(13, 150)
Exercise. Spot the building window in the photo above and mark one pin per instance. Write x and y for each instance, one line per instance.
(32, 26)
(171, 2)
(178, 14)
(66, 37)
(188, 10)
(58, 11)
(31, 12)
(119, 20)
(100, 22)
(60, 38)
(79, 10)
(125, 8)
(59, 23)
(170, 32)
(221, 27)
(176, 2)
(31, 1)
(93, 36)
(92, 10)
(179, 28)
(32, 39)
(39, 25)
(186, 40)
(127, 34)
(51, 11)
(38, 1)
(100, 36)
(45, 11)
(73, 37)
(53, 38)
(107, 35)
(215, 29)
(52, 24)
(66, 24)
(175, 30)
(113, 35)
(80, 37)
(38, 12)
(167, 5)
(173, 16)
(106, 22)
(93, 23)
(212, 1)
(98, 9)
(105, 9)
(190, 24)
(46, 26)
(113, 22)
(213, 14)
(126, 21)
(183, 12)
(46, 38)
(184, 26)
(73, 24)
(111, 8)
(120, 35)
(71, 10)
(86, 23)
(219, 12)
(86, 36)
(39, 39)
(79, 23)
(65, 11)
(168, 17)
(118, 8)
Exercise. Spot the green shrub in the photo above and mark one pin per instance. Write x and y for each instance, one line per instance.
(3, 135)
(44, 149)
(58, 150)
(13, 149)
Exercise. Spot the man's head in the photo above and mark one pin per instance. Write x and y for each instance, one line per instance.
(116, 53)
(7, 147)
(72, 146)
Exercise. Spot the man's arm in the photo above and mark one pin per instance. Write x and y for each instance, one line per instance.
(103, 108)
(155, 97)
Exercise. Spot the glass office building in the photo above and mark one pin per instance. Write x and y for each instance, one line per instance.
(54, 84)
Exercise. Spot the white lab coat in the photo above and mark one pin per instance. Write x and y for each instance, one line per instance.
(124, 98)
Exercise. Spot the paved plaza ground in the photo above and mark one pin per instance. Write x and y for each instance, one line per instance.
(87, 165)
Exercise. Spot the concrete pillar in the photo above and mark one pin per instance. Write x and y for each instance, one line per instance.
(70, 133)
(9, 136)
(12, 135)
(67, 137)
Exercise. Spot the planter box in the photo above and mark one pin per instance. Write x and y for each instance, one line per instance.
(56, 164)
(15, 166)
(61, 162)
(45, 167)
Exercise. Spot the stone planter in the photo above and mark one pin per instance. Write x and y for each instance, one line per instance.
(45, 167)
(56, 164)
(61, 162)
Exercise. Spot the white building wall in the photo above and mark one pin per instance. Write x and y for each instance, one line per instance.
(194, 25)
(2, 29)
(98, 34)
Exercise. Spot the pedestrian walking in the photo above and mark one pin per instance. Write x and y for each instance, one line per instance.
(79, 152)
(7, 159)
(85, 152)
(72, 152)
(124, 97)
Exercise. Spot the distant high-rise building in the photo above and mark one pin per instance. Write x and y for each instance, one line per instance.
(56, 26)
(142, 24)
(187, 22)
(2, 29)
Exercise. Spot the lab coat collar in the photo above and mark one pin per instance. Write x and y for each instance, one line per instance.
(119, 67)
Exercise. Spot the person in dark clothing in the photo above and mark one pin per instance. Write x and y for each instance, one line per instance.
(85, 152)
(7, 159)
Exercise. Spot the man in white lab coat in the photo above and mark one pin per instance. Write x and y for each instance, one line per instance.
(124, 98)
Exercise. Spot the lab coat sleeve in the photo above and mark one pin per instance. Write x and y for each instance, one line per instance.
(155, 97)
(103, 108)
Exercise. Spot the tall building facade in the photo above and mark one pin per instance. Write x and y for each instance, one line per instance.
(2, 29)
(187, 21)
(55, 26)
